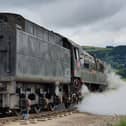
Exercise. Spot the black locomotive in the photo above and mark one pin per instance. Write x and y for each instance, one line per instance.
(43, 66)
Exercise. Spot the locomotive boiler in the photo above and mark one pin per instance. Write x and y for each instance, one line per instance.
(43, 66)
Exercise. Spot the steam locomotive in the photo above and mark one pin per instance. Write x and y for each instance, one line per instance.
(43, 66)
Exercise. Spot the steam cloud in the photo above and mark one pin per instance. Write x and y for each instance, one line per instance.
(110, 102)
(57, 90)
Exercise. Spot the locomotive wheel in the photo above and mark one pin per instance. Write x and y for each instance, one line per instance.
(67, 105)
(17, 112)
(51, 107)
(102, 88)
(37, 109)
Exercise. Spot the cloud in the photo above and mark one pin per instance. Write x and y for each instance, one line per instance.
(25, 3)
(115, 23)
(85, 21)
(74, 13)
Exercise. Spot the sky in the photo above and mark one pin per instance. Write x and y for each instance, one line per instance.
(87, 22)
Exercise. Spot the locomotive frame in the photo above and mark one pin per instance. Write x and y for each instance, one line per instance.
(43, 66)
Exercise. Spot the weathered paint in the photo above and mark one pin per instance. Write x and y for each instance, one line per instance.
(36, 58)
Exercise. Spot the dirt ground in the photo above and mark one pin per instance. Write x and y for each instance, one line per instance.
(76, 119)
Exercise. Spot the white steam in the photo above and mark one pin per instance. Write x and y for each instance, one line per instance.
(110, 102)
(57, 90)
(84, 90)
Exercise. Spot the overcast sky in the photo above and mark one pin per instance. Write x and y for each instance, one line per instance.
(88, 22)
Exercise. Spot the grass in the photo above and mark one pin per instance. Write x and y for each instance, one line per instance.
(121, 123)
(124, 79)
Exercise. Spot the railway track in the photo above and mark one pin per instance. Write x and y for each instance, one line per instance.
(44, 116)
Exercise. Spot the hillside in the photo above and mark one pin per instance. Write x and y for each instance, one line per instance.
(116, 56)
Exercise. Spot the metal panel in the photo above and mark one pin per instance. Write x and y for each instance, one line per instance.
(93, 77)
(42, 33)
(39, 59)
(7, 50)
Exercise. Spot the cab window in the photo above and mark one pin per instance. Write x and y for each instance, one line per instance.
(76, 52)
(86, 65)
(3, 19)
